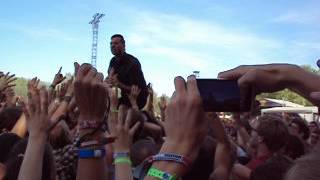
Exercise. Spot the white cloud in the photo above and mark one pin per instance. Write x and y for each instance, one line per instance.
(38, 32)
(308, 16)
(196, 43)
(180, 56)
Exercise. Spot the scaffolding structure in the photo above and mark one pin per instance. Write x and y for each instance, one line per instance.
(95, 28)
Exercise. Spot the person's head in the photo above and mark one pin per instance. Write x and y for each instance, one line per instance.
(142, 149)
(203, 165)
(9, 117)
(306, 167)
(16, 156)
(298, 127)
(275, 169)
(314, 137)
(271, 132)
(117, 44)
(60, 135)
(7, 142)
(294, 147)
(313, 125)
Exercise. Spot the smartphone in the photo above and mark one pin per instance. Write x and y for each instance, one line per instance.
(220, 95)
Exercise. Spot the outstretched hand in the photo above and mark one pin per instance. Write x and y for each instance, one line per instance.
(185, 125)
(7, 81)
(36, 111)
(58, 78)
(123, 132)
(90, 93)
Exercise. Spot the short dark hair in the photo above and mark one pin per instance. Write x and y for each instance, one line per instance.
(275, 169)
(273, 131)
(119, 36)
(294, 147)
(9, 117)
(7, 142)
(16, 156)
(306, 167)
(303, 127)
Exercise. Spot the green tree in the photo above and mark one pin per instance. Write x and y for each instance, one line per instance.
(288, 95)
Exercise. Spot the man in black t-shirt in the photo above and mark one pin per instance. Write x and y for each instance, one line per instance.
(124, 71)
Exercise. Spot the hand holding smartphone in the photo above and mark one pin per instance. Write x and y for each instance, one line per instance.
(220, 95)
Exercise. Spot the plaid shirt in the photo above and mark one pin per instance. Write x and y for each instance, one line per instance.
(66, 160)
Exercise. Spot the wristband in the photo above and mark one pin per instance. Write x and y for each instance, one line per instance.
(122, 160)
(170, 157)
(114, 110)
(120, 155)
(100, 142)
(91, 153)
(158, 174)
(89, 124)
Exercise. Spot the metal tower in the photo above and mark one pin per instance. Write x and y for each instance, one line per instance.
(95, 26)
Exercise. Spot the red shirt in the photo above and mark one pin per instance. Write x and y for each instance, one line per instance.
(254, 163)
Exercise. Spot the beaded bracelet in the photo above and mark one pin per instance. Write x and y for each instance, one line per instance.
(158, 174)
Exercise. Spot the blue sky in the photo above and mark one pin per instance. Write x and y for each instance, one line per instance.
(169, 38)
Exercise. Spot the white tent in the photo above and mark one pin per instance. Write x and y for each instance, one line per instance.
(308, 113)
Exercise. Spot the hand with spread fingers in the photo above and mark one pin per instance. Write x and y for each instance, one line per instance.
(37, 116)
(123, 132)
(11, 98)
(33, 84)
(6, 81)
(133, 95)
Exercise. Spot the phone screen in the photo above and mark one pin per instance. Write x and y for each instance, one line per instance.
(223, 96)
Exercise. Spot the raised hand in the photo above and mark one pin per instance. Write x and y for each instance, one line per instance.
(185, 125)
(6, 81)
(162, 103)
(36, 111)
(33, 84)
(90, 93)
(58, 78)
(11, 98)
(123, 132)
(133, 95)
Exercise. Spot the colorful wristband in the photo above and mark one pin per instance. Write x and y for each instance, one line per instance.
(91, 153)
(89, 124)
(122, 160)
(170, 157)
(158, 174)
(100, 142)
(120, 155)
(114, 110)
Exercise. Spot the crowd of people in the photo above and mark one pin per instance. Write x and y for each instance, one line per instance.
(91, 127)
